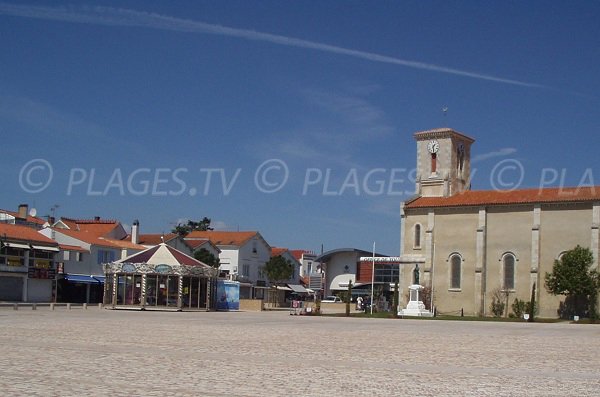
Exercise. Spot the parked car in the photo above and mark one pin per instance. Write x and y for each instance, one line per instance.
(331, 299)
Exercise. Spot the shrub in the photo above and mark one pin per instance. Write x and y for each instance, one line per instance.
(519, 308)
(497, 305)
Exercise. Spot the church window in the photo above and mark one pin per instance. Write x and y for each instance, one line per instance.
(433, 162)
(509, 271)
(455, 268)
(417, 237)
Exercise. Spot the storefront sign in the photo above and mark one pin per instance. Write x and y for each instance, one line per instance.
(14, 261)
(46, 274)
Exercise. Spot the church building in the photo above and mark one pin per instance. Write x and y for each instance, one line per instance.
(469, 244)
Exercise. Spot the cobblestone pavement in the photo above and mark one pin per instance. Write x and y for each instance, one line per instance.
(124, 353)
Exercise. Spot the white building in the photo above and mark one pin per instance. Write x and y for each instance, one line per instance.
(242, 256)
(85, 246)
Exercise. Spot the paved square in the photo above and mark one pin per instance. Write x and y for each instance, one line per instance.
(123, 353)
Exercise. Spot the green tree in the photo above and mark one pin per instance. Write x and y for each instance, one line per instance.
(532, 306)
(572, 276)
(183, 229)
(277, 270)
(205, 256)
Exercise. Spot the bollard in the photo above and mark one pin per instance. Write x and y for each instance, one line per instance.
(52, 306)
(85, 306)
(34, 306)
(99, 305)
(68, 306)
(16, 307)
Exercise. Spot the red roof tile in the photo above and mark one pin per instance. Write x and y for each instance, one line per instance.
(153, 238)
(523, 196)
(30, 219)
(91, 238)
(299, 253)
(196, 242)
(23, 233)
(275, 251)
(66, 247)
(97, 227)
(223, 238)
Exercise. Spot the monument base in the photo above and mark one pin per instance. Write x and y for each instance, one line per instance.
(415, 307)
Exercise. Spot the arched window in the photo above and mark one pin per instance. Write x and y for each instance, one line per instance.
(509, 271)
(455, 267)
(417, 240)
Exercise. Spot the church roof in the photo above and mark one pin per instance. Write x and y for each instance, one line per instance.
(521, 196)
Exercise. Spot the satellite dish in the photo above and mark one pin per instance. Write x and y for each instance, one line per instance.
(32, 212)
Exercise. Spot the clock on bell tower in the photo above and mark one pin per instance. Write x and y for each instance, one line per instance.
(443, 162)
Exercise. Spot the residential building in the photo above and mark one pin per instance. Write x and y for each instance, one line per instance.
(23, 217)
(242, 256)
(27, 265)
(86, 246)
(198, 243)
(287, 255)
(307, 261)
(153, 239)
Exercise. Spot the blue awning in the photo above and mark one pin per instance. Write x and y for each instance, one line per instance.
(82, 278)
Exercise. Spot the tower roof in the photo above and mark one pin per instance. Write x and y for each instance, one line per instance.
(438, 133)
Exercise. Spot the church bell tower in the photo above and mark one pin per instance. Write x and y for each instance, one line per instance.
(443, 162)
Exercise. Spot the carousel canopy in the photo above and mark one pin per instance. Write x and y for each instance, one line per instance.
(160, 259)
(162, 254)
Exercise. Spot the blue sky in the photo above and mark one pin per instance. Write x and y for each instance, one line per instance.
(291, 118)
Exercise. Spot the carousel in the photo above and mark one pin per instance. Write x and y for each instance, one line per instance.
(159, 278)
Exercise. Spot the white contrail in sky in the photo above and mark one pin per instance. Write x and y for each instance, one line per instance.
(124, 17)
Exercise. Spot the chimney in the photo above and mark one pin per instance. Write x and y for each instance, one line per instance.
(23, 208)
(51, 220)
(135, 232)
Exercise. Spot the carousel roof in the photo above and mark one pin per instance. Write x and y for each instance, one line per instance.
(162, 254)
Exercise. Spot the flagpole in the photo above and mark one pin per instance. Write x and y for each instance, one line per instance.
(372, 277)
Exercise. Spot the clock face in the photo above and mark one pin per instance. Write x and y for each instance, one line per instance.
(433, 146)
